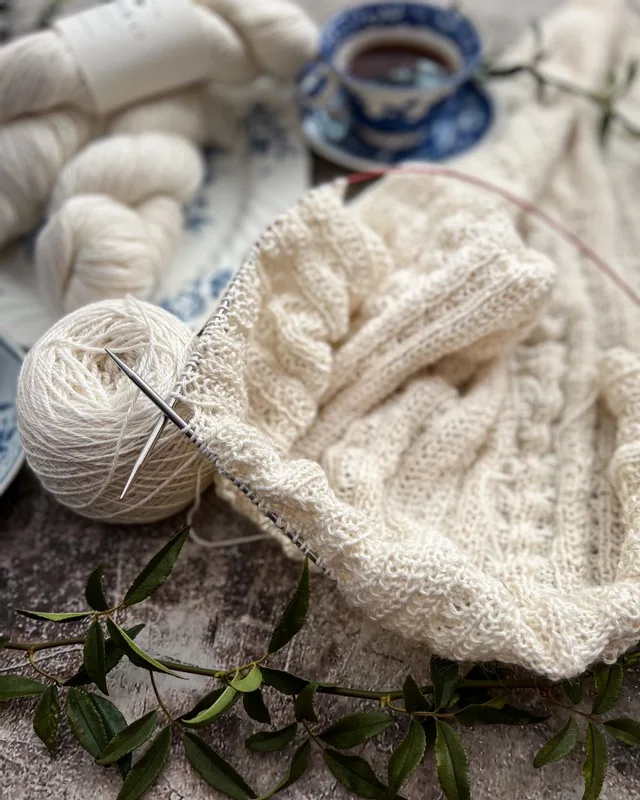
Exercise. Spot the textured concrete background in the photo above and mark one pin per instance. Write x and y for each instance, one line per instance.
(217, 610)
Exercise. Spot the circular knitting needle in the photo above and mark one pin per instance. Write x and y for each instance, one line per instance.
(148, 447)
(150, 443)
(183, 426)
(166, 408)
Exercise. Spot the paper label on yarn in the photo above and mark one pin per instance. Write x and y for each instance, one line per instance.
(128, 50)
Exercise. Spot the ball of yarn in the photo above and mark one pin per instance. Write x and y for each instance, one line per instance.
(116, 218)
(83, 422)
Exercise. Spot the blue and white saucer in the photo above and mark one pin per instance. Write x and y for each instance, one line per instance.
(457, 124)
(11, 454)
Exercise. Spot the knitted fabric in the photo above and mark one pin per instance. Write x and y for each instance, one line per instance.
(442, 397)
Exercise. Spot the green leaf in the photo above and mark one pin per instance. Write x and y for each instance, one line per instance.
(406, 757)
(134, 653)
(212, 768)
(94, 656)
(145, 771)
(608, 681)
(414, 700)
(574, 690)
(12, 686)
(496, 711)
(559, 746)
(255, 707)
(624, 730)
(429, 728)
(297, 768)
(595, 765)
(47, 717)
(451, 763)
(4, 641)
(249, 683)
(72, 616)
(631, 74)
(86, 722)
(303, 705)
(113, 655)
(487, 671)
(356, 774)
(283, 682)
(444, 677)
(218, 707)
(113, 722)
(294, 615)
(157, 570)
(129, 738)
(353, 729)
(94, 590)
(272, 741)
(632, 659)
(206, 701)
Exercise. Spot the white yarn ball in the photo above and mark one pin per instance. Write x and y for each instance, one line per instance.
(83, 422)
(117, 217)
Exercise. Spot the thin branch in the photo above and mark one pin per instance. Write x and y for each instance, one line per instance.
(41, 671)
(164, 708)
(35, 646)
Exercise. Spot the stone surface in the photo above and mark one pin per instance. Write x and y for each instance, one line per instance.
(217, 610)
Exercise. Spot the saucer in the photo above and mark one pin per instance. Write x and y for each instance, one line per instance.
(457, 123)
(11, 454)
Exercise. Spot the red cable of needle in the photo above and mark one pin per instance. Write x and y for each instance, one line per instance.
(525, 205)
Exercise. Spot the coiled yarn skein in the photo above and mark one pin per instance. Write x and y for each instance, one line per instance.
(47, 117)
(83, 422)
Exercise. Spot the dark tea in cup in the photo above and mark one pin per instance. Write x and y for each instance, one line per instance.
(402, 63)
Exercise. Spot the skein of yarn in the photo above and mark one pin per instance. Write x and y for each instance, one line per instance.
(117, 215)
(47, 115)
(82, 422)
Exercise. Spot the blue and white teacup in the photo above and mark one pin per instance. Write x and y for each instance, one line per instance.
(382, 67)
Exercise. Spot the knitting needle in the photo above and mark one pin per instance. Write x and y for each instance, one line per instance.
(150, 443)
(148, 447)
(183, 426)
(166, 408)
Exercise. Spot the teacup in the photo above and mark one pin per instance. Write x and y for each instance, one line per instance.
(388, 64)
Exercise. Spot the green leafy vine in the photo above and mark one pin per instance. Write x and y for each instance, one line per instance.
(428, 718)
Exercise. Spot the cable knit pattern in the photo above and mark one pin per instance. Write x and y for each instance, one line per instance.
(442, 397)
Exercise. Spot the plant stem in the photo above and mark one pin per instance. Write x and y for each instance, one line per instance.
(166, 711)
(340, 691)
(365, 694)
(35, 646)
(193, 669)
(41, 671)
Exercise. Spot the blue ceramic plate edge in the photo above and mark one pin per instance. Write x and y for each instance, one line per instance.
(18, 354)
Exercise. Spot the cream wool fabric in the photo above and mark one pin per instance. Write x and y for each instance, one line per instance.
(442, 397)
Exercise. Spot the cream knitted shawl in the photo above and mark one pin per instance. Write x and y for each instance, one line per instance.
(442, 397)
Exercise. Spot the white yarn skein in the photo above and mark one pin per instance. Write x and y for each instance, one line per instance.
(33, 151)
(82, 421)
(116, 218)
(39, 77)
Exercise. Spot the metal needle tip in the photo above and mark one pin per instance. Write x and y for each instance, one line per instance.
(144, 387)
(144, 453)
